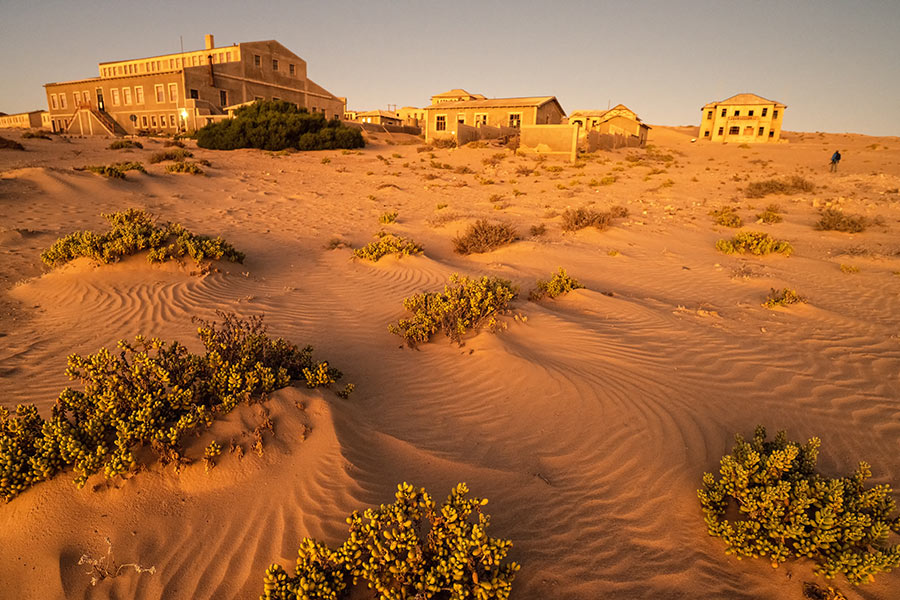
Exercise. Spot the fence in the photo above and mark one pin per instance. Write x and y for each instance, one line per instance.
(594, 140)
(555, 140)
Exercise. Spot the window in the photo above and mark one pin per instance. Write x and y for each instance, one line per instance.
(706, 133)
(162, 120)
(291, 69)
(721, 130)
(774, 114)
(144, 121)
(440, 123)
(53, 104)
(171, 63)
(277, 99)
(195, 94)
(138, 94)
(257, 98)
(771, 133)
(765, 111)
(173, 92)
(257, 60)
(114, 93)
(461, 118)
(515, 119)
(724, 111)
(734, 130)
(762, 131)
(160, 93)
(228, 57)
(274, 64)
(750, 113)
(223, 98)
(481, 119)
(126, 96)
(172, 120)
(737, 113)
(709, 115)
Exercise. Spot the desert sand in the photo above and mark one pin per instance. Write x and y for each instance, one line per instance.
(588, 422)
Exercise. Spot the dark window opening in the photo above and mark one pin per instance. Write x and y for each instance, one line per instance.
(762, 131)
(721, 130)
(706, 133)
(724, 111)
(195, 94)
(257, 60)
(223, 98)
(771, 133)
(291, 69)
(709, 115)
(734, 131)
(440, 123)
(737, 113)
(750, 113)
(765, 111)
(774, 114)
(274, 64)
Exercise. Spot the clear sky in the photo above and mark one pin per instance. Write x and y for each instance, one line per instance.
(836, 64)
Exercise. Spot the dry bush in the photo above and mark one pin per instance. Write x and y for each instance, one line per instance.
(184, 167)
(783, 297)
(40, 134)
(179, 154)
(789, 185)
(754, 242)
(560, 283)
(444, 143)
(6, 144)
(385, 244)
(538, 230)
(770, 214)
(726, 217)
(579, 218)
(124, 144)
(832, 219)
(484, 236)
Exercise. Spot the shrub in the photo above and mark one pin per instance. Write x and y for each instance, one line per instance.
(463, 305)
(784, 297)
(575, 219)
(560, 283)
(754, 242)
(132, 231)
(122, 144)
(444, 143)
(184, 167)
(849, 269)
(6, 144)
(387, 244)
(484, 236)
(150, 394)
(832, 219)
(108, 171)
(388, 217)
(277, 125)
(40, 134)
(178, 155)
(789, 185)
(171, 143)
(770, 214)
(726, 217)
(538, 230)
(787, 509)
(411, 548)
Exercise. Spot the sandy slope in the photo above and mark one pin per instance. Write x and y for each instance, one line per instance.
(588, 424)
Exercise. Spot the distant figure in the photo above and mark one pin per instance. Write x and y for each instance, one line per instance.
(835, 159)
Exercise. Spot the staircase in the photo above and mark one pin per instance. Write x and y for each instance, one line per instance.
(108, 122)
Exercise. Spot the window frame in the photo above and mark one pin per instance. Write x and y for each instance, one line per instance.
(765, 111)
(139, 94)
(734, 130)
(518, 118)
(159, 90)
(440, 122)
(721, 131)
(114, 96)
(54, 104)
(126, 96)
(761, 132)
(257, 61)
(173, 92)
(709, 115)
(223, 98)
(274, 64)
(774, 114)
(724, 112)
(478, 121)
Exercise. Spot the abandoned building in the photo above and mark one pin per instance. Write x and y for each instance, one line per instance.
(442, 117)
(619, 120)
(184, 91)
(25, 120)
(744, 118)
(455, 95)
(378, 117)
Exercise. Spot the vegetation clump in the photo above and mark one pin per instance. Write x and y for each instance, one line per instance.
(387, 244)
(832, 219)
(277, 125)
(412, 548)
(6, 144)
(131, 232)
(177, 155)
(388, 217)
(754, 242)
(184, 167)
(770, 501)
(465, 304)
(484, 236)
(560, 283)
(789, 185)
(770, 214)
(150, 394)
(726, 217)
(40, 134)
(123, 144)
(579, 218)
(784, 297)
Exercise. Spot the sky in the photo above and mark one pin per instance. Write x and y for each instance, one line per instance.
(835, 64)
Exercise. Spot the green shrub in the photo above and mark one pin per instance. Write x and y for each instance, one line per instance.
(560, 283)
(130, 166)
(789, 185)
(770, 214)
(778, 506)
(149, 394)
(184, 167)
(574, 219)
(108, 171)
(409, 549)
(6, 144)
(178, 155)
(387, 244)
(388, 217)
(122, 144)
(276, 125)
(484, 236)
(832, 219)
(784, 297)
(131, 232)
(40, 134)
(464, 304)
(726, 217)
(754, 242)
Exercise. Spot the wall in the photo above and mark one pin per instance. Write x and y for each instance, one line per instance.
(559, 140)
(595, 140)
(24, 120)
(496, 117)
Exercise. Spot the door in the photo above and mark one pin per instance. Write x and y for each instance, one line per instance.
(100, 105)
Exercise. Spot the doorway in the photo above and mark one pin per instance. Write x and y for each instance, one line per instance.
(100, 105)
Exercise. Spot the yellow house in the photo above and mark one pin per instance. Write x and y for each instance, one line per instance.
(617, 120)
(442, 117)
(455, 95)
(34, 119)
(412, 116)
(378, 117)
(744, 118)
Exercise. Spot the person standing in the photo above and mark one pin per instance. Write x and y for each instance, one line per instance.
(835, 159)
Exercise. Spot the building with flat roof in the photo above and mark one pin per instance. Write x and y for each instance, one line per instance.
(25, 120)
(743, 118)
(378, 117)
(442, 117)
(184, 91)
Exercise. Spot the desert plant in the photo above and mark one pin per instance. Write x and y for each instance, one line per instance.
(784, 297)
(388, 217)
(754, 242)
(832, 219)
(484, 236)
(789, 185)
(726, 217)
(574, 219)
(40, 134)
(849, 269)
(105, 567)
(387, 244)
(7, 144)
(177, 155)
(770, 214)
(132, 231)
(149, 394)
(443, 143)
(412, 548)
(465, 304)
(771, 502)
(538, 230)
(108, 171)
(184, 167)
(171, 143)
(560, 283)
(123, 144)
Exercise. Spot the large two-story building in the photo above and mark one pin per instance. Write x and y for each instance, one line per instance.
(744, 118)
(183, 91)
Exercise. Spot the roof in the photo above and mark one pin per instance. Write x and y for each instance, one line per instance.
(456, 92)
(378, 113)
(745, 98)
(537, 101)
(608, 114)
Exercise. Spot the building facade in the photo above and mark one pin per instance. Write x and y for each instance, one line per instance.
(378, 117)
(442, 117)
(24, 120)
(744, 118)
(619, 120)
(177, 92)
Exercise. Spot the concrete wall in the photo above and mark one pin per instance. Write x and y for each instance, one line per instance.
(558, 140)
(595, 140)
(23, 120)
(748, 125)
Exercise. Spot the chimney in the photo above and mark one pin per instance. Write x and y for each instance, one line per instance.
(210, 41)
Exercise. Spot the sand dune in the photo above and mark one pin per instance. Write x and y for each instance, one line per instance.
(588, 423)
